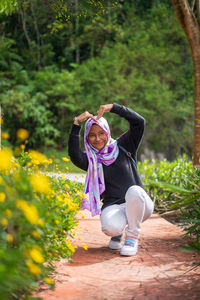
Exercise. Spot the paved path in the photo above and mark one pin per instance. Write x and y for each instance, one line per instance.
(158, 271)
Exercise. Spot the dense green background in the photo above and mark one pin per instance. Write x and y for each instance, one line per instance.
(135, 55)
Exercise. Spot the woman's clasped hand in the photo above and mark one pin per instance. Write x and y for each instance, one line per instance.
(102, 109)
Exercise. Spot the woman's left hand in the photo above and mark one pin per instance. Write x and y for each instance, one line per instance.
(103, 109)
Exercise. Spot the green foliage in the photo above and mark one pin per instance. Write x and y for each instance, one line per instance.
(8, 6)
(37, 222)
(175, 185)
(135, 55)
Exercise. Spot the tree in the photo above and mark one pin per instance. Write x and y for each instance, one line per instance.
(188, 16)
(187, 13)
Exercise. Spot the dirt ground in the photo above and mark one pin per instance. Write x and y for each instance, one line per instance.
(160, 270)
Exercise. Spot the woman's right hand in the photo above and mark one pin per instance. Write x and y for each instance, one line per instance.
(83, 117)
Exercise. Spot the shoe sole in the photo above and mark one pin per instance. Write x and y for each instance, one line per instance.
(112, 248)
(128, 254)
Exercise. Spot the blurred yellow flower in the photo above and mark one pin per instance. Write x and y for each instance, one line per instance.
(1, 180)
(67, 186)
(22, 134)
(36, 234)
(65, 159)
(5, 135)
(41, 222)
(5, 159)
(84, 246)
(8, 212)
(33, 268)
(22, 146)
(40, 183)
(30, 211)
(17, 151)
(1, 120)
(70, 246)
(37, 157)
(9, 237)
(48, 280)
(4, 221)
(2, 197)
(36, 255)
(57, 222)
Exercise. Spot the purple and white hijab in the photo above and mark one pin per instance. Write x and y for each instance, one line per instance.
(94, 182)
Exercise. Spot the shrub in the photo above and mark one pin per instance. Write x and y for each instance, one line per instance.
(176, 185)
(37, 218)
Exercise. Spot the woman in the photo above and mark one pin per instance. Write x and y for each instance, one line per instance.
(112, 175)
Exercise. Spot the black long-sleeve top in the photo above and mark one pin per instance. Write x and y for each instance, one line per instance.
(121, 174)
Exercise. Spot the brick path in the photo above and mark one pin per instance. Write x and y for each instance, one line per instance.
(158, 271)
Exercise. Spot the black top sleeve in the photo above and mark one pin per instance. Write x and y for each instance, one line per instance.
(130, 140)
(77, 156)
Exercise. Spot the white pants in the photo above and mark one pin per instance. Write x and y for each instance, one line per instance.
(137, 208)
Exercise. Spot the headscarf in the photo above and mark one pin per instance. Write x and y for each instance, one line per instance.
(94, 182)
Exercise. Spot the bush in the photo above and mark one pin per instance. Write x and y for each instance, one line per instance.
(176, 185)
(37, 217)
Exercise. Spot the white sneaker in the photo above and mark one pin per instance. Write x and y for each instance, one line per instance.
(129, 248)
(115, 245)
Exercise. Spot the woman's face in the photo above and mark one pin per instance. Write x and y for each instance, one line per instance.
(97, 137)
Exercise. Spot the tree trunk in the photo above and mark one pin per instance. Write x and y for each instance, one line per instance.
(196, 63)
(191, 28)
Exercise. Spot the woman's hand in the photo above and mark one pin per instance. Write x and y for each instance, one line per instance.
(103, 109)
(83, 117)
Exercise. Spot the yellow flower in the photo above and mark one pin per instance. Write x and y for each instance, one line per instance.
(4, 222)
(1, 120)
(1, 180)
(37, 157)
(8, 213)
(84, 246)
(57, 222)
(36, 255)
(22, 146)
(2, 197)
(41, 222)
(40, 183)
(30, 211)
(5, 135)
(67, 186)
(48, 280)
(17, 151)
(22, 134)
(65, 159)
(5, 159)
(59, 198)
(36, 234)
(70, 246)
(33, 268)
(9, 237)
